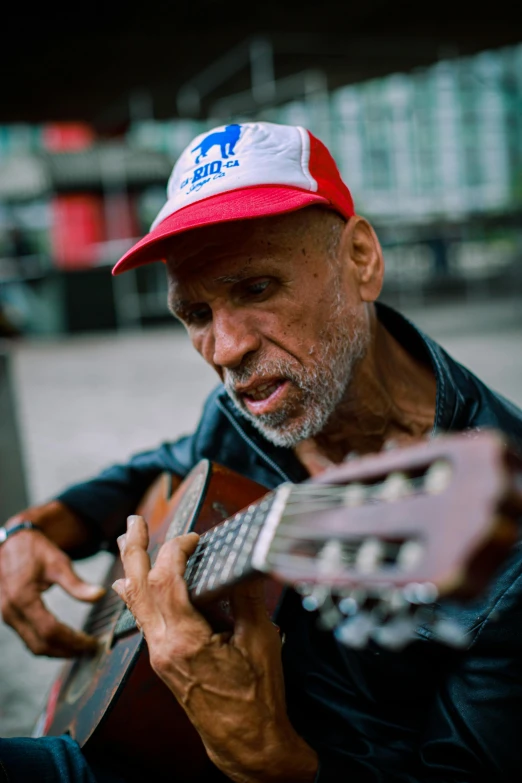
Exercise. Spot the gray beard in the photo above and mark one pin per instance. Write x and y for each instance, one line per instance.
(322, 386)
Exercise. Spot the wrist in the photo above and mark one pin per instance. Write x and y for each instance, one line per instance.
(291, 761)
(12, 529)
(57, 522)
(293, 765)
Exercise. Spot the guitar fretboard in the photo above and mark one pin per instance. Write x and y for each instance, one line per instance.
(224, 553)
(223, 556)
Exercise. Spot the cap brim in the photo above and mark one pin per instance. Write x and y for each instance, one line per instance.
(242, 204)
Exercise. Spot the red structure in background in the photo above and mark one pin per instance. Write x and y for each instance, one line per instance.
(77, 228)
(82, 222)
(77, 218)
(68, 136)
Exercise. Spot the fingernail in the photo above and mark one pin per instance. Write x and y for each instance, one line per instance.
(131, 520)
(121, 542)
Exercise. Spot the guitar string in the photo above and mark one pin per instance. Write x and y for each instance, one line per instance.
(100, 622)
(316, 498)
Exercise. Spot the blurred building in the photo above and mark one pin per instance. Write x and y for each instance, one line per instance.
(433, 158)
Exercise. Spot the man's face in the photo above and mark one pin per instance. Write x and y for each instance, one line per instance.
(270, 307)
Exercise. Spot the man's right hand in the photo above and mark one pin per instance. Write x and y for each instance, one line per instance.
(29, 564)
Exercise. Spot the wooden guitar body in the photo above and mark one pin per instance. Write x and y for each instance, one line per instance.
(113, 704)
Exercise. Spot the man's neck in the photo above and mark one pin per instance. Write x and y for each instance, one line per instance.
(390, 398)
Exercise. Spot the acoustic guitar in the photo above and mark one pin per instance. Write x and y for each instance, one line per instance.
(370, 545)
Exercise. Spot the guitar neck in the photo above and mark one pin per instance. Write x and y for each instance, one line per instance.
(224, 554)
(223, 557)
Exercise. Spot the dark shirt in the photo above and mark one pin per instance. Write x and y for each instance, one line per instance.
(428, 713)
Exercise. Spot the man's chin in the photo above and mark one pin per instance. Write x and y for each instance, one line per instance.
(281, 428)
(286, 433)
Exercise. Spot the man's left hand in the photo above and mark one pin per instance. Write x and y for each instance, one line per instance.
(230, 684)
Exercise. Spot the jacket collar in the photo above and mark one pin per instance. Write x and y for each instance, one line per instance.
(449, 403)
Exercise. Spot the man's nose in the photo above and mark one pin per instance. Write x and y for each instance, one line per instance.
(234, 337)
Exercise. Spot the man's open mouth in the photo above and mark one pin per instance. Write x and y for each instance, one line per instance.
(263, 397)
(263, 391)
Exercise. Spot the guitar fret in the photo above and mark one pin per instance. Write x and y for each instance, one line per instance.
(230, 535)
(199, 567)
(240, 553)
(194, 561)
(229, 563)
(202, 584)
(225, 550)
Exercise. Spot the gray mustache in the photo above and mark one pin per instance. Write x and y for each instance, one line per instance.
(244, 374)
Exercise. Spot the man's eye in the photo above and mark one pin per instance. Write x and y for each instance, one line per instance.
(258, 287)
(198, 315)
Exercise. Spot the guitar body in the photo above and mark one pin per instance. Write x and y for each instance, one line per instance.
(112, 703)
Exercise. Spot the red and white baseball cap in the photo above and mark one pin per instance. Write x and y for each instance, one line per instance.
(236, 172)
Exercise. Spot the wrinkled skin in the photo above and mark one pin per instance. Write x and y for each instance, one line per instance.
(30, 562)
(230, 684)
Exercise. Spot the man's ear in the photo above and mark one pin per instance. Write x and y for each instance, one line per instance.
(361, 246)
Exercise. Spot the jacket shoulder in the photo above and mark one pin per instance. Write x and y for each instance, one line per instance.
(480, 406)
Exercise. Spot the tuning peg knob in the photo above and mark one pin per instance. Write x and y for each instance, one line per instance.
(437, 477)
(369, 555)
(396, 633)
(420, 593)
(395, 486)
(356, 631)
(348, 606)
(315, 598)
(410, 554)
(354, 494)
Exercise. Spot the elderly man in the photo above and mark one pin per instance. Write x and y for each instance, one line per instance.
(275, 278)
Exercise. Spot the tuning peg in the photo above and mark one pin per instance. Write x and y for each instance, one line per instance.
(410, 554)
(420, 593)
(437, 477)
(315, 598)
(396, 602)
(369, 555)
(356, 631)
(354, 495)
(396, 633)
(395, 486)
(331, 559)
(348, 605)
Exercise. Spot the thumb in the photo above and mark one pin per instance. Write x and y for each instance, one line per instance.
(65, 576)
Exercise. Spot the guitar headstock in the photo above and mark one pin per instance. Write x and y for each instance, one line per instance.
(379, 539)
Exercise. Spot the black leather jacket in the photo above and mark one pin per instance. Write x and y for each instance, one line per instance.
(428, 713)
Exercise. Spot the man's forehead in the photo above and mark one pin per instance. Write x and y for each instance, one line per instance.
(228, 253)
(239, 235)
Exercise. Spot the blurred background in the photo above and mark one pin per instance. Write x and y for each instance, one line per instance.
(422, 113)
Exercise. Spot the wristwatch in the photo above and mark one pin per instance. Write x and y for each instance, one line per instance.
(7, 532)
